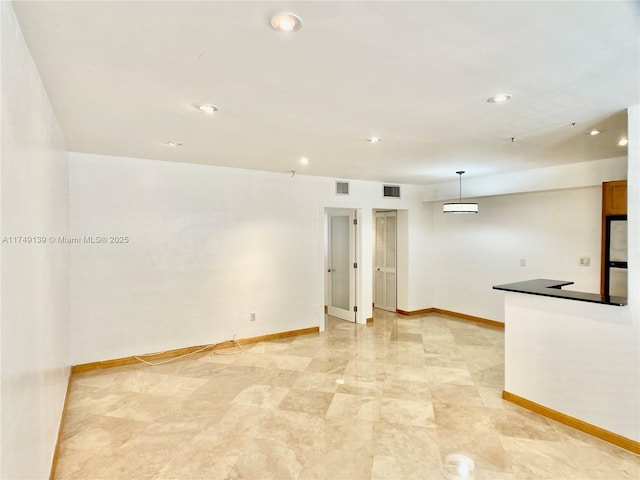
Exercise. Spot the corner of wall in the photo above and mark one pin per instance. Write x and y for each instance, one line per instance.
(34, 272)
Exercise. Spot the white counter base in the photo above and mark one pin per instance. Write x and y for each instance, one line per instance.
(576, 358)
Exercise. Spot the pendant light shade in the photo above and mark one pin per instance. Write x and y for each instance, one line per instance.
(460, 207)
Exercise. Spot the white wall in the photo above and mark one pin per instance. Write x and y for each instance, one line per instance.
(549, 230)
(633, 214)
(422, 276)
(35, 278)
(207, 246)
(577, 358)
(559, 177)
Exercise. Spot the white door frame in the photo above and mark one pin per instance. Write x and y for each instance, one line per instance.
(347, 269)
(383, 268)
(322, 270)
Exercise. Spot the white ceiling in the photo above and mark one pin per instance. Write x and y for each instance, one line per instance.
(124, 78)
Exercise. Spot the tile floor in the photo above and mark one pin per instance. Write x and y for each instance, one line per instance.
(401, 398)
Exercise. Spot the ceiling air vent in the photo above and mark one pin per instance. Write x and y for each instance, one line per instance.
(342, 188)
(391, 191)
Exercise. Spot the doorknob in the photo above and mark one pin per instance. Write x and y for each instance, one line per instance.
(329, 271)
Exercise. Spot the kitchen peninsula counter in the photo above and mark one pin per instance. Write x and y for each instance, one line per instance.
(553, 288)
(569, 360)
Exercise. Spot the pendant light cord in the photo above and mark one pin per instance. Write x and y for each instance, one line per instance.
(460, 172)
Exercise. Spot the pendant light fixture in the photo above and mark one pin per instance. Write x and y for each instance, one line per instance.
(460, 207)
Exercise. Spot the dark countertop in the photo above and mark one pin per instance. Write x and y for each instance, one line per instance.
(553, 288)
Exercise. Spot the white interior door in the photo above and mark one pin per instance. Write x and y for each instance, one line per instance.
(341, 267)
(386, 226)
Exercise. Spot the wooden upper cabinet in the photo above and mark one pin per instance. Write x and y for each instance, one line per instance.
(614, 198)
(614, 202)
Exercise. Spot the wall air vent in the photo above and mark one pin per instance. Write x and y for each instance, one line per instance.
(391, 191)
(342, 188)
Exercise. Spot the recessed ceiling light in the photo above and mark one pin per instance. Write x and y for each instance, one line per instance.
(374, 139)
(623, 142)
(208, 108)
(594, 132)
(173, 144)
(500, 98)
(285, 22)
(304, 161)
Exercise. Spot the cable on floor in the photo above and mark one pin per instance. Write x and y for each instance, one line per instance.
(200, 350)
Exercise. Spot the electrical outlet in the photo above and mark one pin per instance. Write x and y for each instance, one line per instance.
(253, 316)
(523, 262)
(585, 261)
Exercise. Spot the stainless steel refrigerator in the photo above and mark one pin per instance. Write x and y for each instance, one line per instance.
(615, 273)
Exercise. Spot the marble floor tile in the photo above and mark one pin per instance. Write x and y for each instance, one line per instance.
(452, 359)
(445, 395)
(467, 336)
(524, 424)
(406, 353)
(293, 428)
(359, 384)
(489, 377)
(194, 462)
(481, 358)
(323, 382)
(492, 397)
(407, 412)
(278, 378)
(407, 390)
(330, 365)
(407, 442)
(242, 421)
(582, 454)
(533, 459)
(275, 360)
(400, 398)
(484, 448)
(188, 418)
(156, 406)
(367, 370)
(399, 336)
(464, 418)
(361, 407)
(268, 459)
(95, 400)
(220, 442)
(215, 393)
(99, 431)
(307, 401)
(263, 396)
(458, 376)
(389, 467)
(277, 346)
(78, 464)
(356, 436)
(336, 464)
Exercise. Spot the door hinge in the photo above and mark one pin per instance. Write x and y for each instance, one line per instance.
(355, 265)
(355, 221)
(355, 308)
